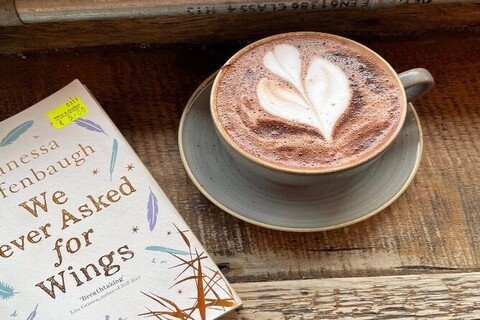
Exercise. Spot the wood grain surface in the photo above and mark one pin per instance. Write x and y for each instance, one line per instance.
(446, 296)
(406, 19)
(434, 227)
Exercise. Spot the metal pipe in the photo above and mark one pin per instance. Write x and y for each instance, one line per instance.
(13, 12)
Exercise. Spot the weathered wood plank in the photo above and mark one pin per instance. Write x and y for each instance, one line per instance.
(446, 296)
(406, 19)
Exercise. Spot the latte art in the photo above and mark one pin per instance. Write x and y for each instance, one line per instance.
(317, 99)
(308, 101)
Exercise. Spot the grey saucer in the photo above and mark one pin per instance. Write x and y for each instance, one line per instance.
(329, 205)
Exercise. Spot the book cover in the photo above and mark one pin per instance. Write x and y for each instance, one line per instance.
(86, 232)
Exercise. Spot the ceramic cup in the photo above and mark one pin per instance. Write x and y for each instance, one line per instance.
(304, 108)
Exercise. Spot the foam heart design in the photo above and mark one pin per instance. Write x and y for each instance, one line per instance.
(318, 100)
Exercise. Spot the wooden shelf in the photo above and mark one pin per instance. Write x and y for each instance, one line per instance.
(409, 19)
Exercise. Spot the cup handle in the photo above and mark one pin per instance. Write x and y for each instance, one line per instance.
(416, 82)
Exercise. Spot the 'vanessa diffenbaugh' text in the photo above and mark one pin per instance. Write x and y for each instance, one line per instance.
(35, 175)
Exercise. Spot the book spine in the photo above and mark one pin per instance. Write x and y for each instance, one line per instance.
(8, 13)
(39, 11)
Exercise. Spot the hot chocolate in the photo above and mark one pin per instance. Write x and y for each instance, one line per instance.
(308, 101)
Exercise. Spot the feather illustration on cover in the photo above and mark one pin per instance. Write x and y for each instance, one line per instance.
(86, 231)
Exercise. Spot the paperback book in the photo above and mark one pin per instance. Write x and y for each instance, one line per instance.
(86, 232)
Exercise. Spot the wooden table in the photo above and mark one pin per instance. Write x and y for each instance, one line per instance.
(419, 258)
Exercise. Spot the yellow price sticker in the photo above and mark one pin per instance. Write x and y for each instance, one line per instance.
(67, 112)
